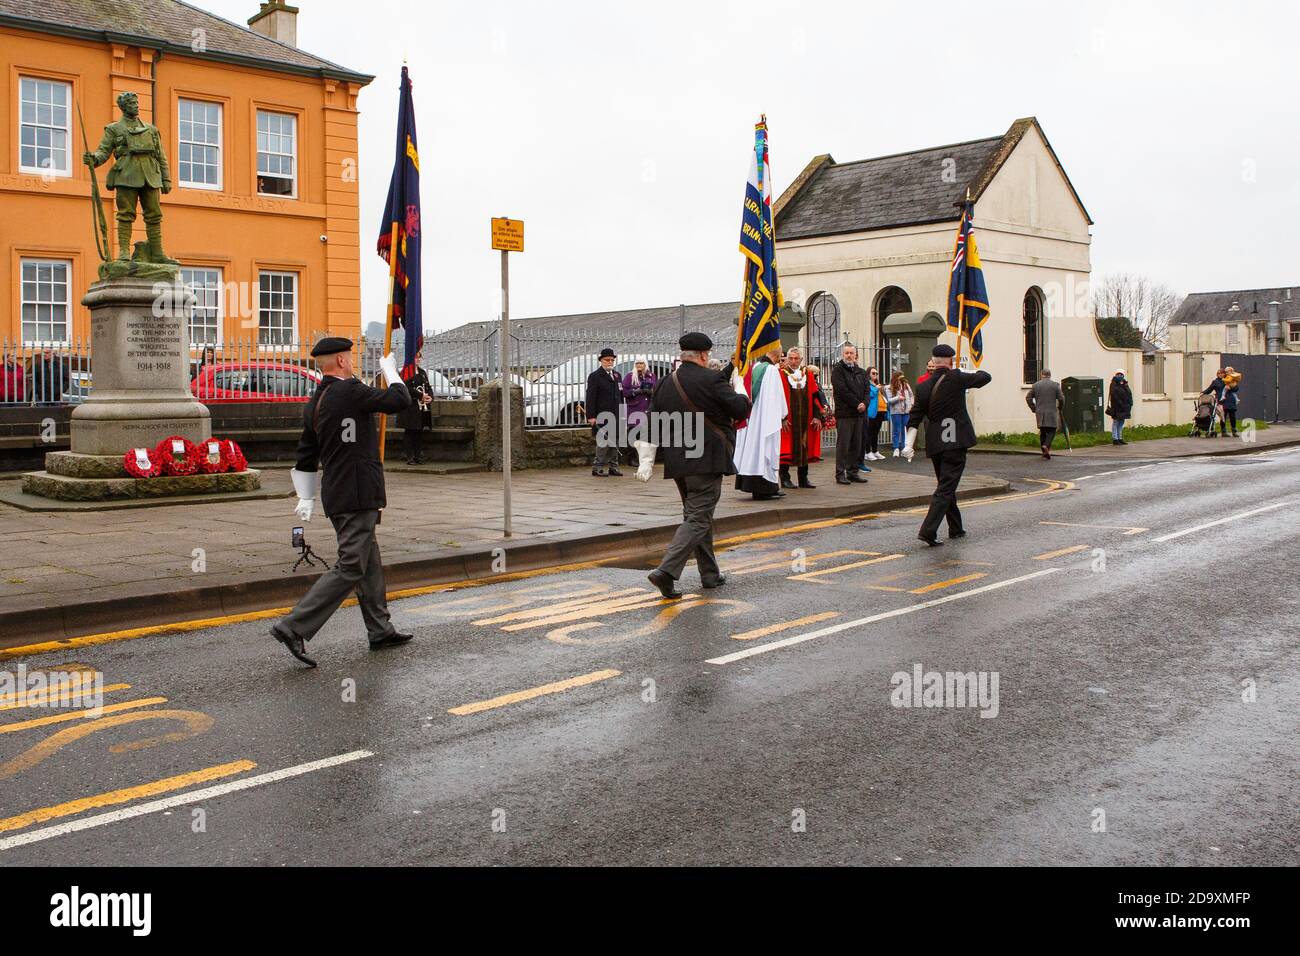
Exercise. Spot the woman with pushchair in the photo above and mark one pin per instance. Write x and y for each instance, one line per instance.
(1224, 388)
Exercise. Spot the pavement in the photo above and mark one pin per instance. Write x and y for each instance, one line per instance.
(1129, 635)
(65, 575)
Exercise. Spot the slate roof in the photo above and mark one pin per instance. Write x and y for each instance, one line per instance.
(903, 189)
(167, 24)
(1211, 308)
(547, 340)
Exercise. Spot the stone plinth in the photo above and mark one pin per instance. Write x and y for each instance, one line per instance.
(49, 484)
(140, 377)
(487, 426)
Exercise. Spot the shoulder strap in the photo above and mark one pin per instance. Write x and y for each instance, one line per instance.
(695, 410)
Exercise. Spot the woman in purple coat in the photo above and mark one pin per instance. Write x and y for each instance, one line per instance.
(638, 384)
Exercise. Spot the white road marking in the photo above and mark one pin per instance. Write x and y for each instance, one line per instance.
(180, 800)
(1085, 477)
(1236, 517)
(897, 612)
(1103, 474)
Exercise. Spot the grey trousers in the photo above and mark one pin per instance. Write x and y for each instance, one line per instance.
(694, 537)
(606, 455)
(848, 445)
(359, 568)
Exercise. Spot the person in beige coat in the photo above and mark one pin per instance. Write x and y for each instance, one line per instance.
(1046, 400)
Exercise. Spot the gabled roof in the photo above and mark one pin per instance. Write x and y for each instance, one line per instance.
(167, 25)
(1211, 308)
(902, 189)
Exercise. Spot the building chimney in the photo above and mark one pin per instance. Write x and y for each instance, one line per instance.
(1273, 333)
(276, 20)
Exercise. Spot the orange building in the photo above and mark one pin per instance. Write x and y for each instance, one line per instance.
(261, 138)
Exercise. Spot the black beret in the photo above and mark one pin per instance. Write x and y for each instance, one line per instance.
(331, 345)
(695, 342)
(943, 351)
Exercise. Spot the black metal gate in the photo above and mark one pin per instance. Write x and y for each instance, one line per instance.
(823, 332)
(1270, 386)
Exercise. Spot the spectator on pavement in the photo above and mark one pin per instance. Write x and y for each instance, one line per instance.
(417, 416)
(901, 398)
(1231, 382)
(1046, 400)
(50, 378)
(849, 388)
(1220, 389)
(12, 389)
(638, 385)
(605, 397)
(876, 415)
(1119, 406)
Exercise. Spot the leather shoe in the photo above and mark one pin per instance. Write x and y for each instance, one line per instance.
(390, 640)
(716, 582)
(664, 582)
(806, 484)
(786, 482)
(956, 534)
(614, 472)
(857, 480)
(932, 542)
(596, 473)
(295, 645)
(842, 480)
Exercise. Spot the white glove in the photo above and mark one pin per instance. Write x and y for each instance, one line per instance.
(306, 484)
(388, 365)
(909, 449)
(645, 459)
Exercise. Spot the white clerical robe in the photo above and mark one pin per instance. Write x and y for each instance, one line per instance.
(758, 444)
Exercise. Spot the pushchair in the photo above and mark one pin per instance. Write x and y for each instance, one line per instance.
(1203, 421)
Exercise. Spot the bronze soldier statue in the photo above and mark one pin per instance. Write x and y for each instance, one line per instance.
(139, 173)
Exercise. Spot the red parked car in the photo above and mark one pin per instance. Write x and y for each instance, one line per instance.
(254, 382)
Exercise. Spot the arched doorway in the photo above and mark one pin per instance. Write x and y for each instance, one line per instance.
(1035, 335)
(823, 331)
(889, 300)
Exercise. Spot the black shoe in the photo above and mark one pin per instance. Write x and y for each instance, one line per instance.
(419, 459)
(295, 645)
(805, 483)
(932, 542)
(664, 582)
(856, 479)
(786, 482)
(392, 640)
(1123, 442)
(614, 472)
(956, 534)
(597, 473)
(716, 582)
(410, 461)
(842, 479)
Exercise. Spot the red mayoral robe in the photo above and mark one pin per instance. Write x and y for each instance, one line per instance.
(801, 444)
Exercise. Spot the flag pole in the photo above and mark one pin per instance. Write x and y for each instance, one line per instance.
(388, 327)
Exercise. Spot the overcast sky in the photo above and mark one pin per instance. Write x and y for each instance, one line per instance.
(620, 132)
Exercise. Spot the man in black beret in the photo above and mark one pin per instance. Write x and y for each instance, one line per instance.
(339, 435)
(941, 404)
(705, 398)
(605, 397)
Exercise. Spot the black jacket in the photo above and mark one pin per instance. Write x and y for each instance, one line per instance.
(710, 392)
(1120, 400)
(604, 392)
(415, 415)
(941, 404)
(850, 387)
(340, 435)
(50, 380)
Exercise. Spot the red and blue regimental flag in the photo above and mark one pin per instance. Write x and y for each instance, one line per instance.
(399, 236)
(968, 299)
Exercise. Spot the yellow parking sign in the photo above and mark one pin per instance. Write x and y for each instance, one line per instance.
(508, 235)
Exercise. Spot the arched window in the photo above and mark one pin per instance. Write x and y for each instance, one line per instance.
(1035, 336)
(823, 330)
(890, 299)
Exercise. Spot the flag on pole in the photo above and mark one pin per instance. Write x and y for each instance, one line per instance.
(758, 330)
(399, 236)
(968, 300)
